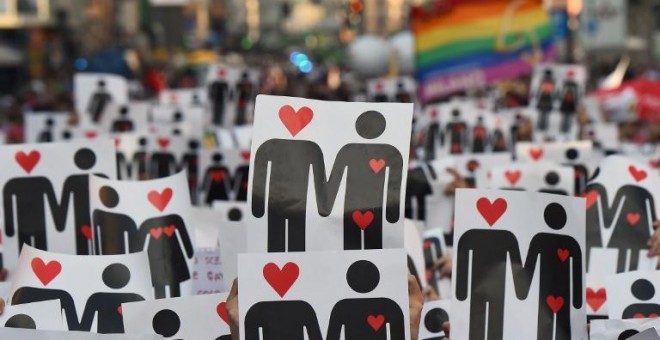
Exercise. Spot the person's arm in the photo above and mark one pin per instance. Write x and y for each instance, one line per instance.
(416, 303)
(8, 209)
(462, 265)
(392, 210)
(232, 310)
(576, 255)
(259, 179)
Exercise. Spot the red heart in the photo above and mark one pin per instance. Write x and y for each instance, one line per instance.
(563, 254)
(245, 155)
(156, 232)
(28, 161)
(295, 121)
(363, 220)
(376, 164)
(117, 142)
(555, 303)
(513, 176)
(633, 218)
(163, 142)
(222, 311)
(596, 299)
(91, 134)
(169, 231)
(281, 279)
(120, 310)
(536, 153)
(591, 196)
(222, 73)
(491, 212)
(376, 321)
(160, 200)
(217, 175)
(45, 272)
(638, 175)
(86, 231)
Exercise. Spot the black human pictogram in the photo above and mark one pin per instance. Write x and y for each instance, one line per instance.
(499, 141)
(289, 162)
(545, 98)
(219, 94)
(430, 258)
(599, 216)
(21, 321)
(560, 262)
(402, 95)
(365, 318)
(417, 188)
(434, 139)
(369, 169)
(568, 102)
(245, 91)
(123, 167)
(31, 294)
(140, 161)
(282, 320)
(456, 131)
(643, 290)
(46, 135)
(190, 163)
(76, 189)
(162, 163)
(240, 182)
(552, 179)
(627, 334)
(490, 248)
(168, 262)
(632, 223)
(433, 321)
(216, 183)
(479, 136)
(98, 102)
(25, 210)
(123, 123)
(581, 172)
(114, 232)
(381, 97)
(106, 306)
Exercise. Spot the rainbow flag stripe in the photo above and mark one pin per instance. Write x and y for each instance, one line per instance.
(476, 43)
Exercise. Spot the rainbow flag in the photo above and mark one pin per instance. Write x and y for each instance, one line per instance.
(472, 44)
